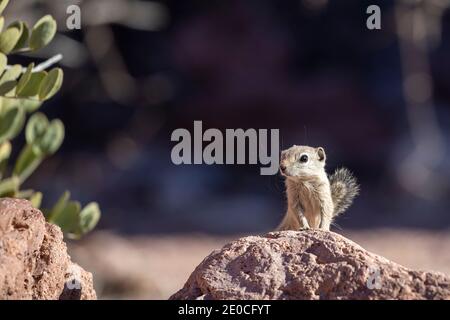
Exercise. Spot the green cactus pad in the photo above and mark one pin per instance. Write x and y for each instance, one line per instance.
(43, 32)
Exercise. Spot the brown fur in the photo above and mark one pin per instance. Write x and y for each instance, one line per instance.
(312, 201)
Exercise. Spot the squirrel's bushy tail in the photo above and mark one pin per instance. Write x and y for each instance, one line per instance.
(344, 188)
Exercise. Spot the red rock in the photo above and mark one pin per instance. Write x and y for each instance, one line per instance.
(309, 264)
(34, 263)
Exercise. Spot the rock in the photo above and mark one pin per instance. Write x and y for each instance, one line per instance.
(34, 263)
(311, 264)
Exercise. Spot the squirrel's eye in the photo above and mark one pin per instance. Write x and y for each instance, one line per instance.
(304, 158)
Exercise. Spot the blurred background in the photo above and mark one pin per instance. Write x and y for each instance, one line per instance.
(378, 101)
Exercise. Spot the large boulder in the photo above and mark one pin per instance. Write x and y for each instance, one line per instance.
(34, 263)
(309, 264)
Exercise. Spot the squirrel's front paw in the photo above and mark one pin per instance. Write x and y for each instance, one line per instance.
(304, 225)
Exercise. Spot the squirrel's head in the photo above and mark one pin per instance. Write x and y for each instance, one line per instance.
(302, 162)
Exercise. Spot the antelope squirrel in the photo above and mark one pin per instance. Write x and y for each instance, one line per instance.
(313, 198)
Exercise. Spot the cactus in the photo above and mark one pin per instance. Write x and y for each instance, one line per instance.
(73, 220)
(22, 92)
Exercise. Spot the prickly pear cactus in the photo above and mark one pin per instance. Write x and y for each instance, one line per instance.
(22, 92)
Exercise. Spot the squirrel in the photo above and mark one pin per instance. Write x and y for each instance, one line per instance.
(314, 199)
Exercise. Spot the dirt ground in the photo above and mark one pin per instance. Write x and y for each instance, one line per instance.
(155, 267)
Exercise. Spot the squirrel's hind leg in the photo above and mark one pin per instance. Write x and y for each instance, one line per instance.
(293, 223)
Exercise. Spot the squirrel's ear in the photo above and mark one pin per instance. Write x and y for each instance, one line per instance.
(321, 154)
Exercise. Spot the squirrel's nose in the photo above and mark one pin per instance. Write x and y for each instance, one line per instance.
(282, 167)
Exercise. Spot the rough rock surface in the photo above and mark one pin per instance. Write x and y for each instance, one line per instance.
(307, 265)
(34, 263)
